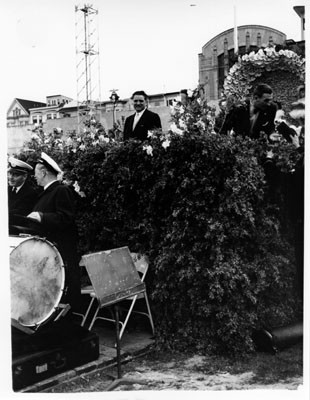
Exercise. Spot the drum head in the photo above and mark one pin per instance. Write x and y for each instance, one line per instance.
(37, 281)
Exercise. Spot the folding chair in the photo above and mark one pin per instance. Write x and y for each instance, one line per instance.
(142, 265)
(139, 266)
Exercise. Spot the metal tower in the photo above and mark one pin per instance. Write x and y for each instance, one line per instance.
(87, 63)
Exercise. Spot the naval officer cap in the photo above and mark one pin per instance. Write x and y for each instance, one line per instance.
(49, 163)
(18, 166)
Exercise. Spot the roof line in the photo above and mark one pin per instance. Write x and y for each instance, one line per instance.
(242, 27)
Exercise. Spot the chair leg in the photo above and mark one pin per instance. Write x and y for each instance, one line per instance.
(87, 311)
(149, 312)
(127, 317)
(94, 317)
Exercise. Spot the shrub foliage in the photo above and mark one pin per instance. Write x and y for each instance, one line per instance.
(198, 204)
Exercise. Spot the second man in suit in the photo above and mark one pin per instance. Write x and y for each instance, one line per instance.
(138, 124)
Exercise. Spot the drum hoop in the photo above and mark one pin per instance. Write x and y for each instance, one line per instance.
(62, 287)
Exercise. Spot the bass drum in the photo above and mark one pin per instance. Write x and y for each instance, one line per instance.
(37, 279)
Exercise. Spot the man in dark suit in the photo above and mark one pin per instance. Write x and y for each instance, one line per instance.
(255, 117)
(54, 210)
(21, 193)
(138, 124)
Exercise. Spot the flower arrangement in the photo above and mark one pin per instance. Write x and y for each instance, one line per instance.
(250, 67)
(195, 114)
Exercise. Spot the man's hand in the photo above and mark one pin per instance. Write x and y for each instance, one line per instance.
(35, 215)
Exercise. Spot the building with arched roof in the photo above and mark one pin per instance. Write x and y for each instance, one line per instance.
(218, 54)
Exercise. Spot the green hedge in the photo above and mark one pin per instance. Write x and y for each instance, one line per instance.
(221, 262)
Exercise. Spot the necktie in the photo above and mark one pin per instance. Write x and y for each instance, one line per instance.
(135, 121)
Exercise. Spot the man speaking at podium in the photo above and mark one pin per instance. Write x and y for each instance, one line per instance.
(54, 210)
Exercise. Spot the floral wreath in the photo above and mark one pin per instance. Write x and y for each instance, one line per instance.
(249, 67)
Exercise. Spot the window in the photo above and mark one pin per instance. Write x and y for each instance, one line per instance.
(16, 112)
(259, 40)
(156, 103)
(225, 45)
(247, 40)
(34, 120)
(214, 55)
(270, 40)
(48, 116)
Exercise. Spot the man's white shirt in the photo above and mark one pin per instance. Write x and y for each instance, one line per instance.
(137, 118)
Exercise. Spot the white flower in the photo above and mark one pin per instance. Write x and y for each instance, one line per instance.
(34, 136)
(172, 110)
(148, 149)
(95, 142)
(261, 53)
(182, 124)
(289, 53)
(150, 134)
(92, 135)
(181, 109)
(175, 129)
(78, 189)
(104, 139)
(270, 51)
(189, 92)
(245, 57)
(76, 186)
(69, 141)
(200, 124)
(82, 146)
(166, 143)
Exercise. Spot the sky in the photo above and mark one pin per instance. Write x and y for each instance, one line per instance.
(143, 44)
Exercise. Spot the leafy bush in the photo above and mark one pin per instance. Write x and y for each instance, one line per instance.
(197, 203)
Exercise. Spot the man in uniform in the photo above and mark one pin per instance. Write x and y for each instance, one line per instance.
(21, 193)
(54, 210)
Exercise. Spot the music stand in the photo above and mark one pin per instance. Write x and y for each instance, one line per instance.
(114, 278)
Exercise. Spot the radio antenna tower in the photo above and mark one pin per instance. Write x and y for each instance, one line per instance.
(87, 63)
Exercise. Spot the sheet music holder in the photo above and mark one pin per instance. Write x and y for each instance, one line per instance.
(113, 275)
(114, 278)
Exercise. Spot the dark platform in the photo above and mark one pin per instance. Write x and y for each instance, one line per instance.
(53, 349)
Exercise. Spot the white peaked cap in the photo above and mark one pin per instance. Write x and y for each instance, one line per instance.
(18, 165)
(49, 163)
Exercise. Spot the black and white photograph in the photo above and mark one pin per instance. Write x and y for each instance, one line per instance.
(154, 228)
